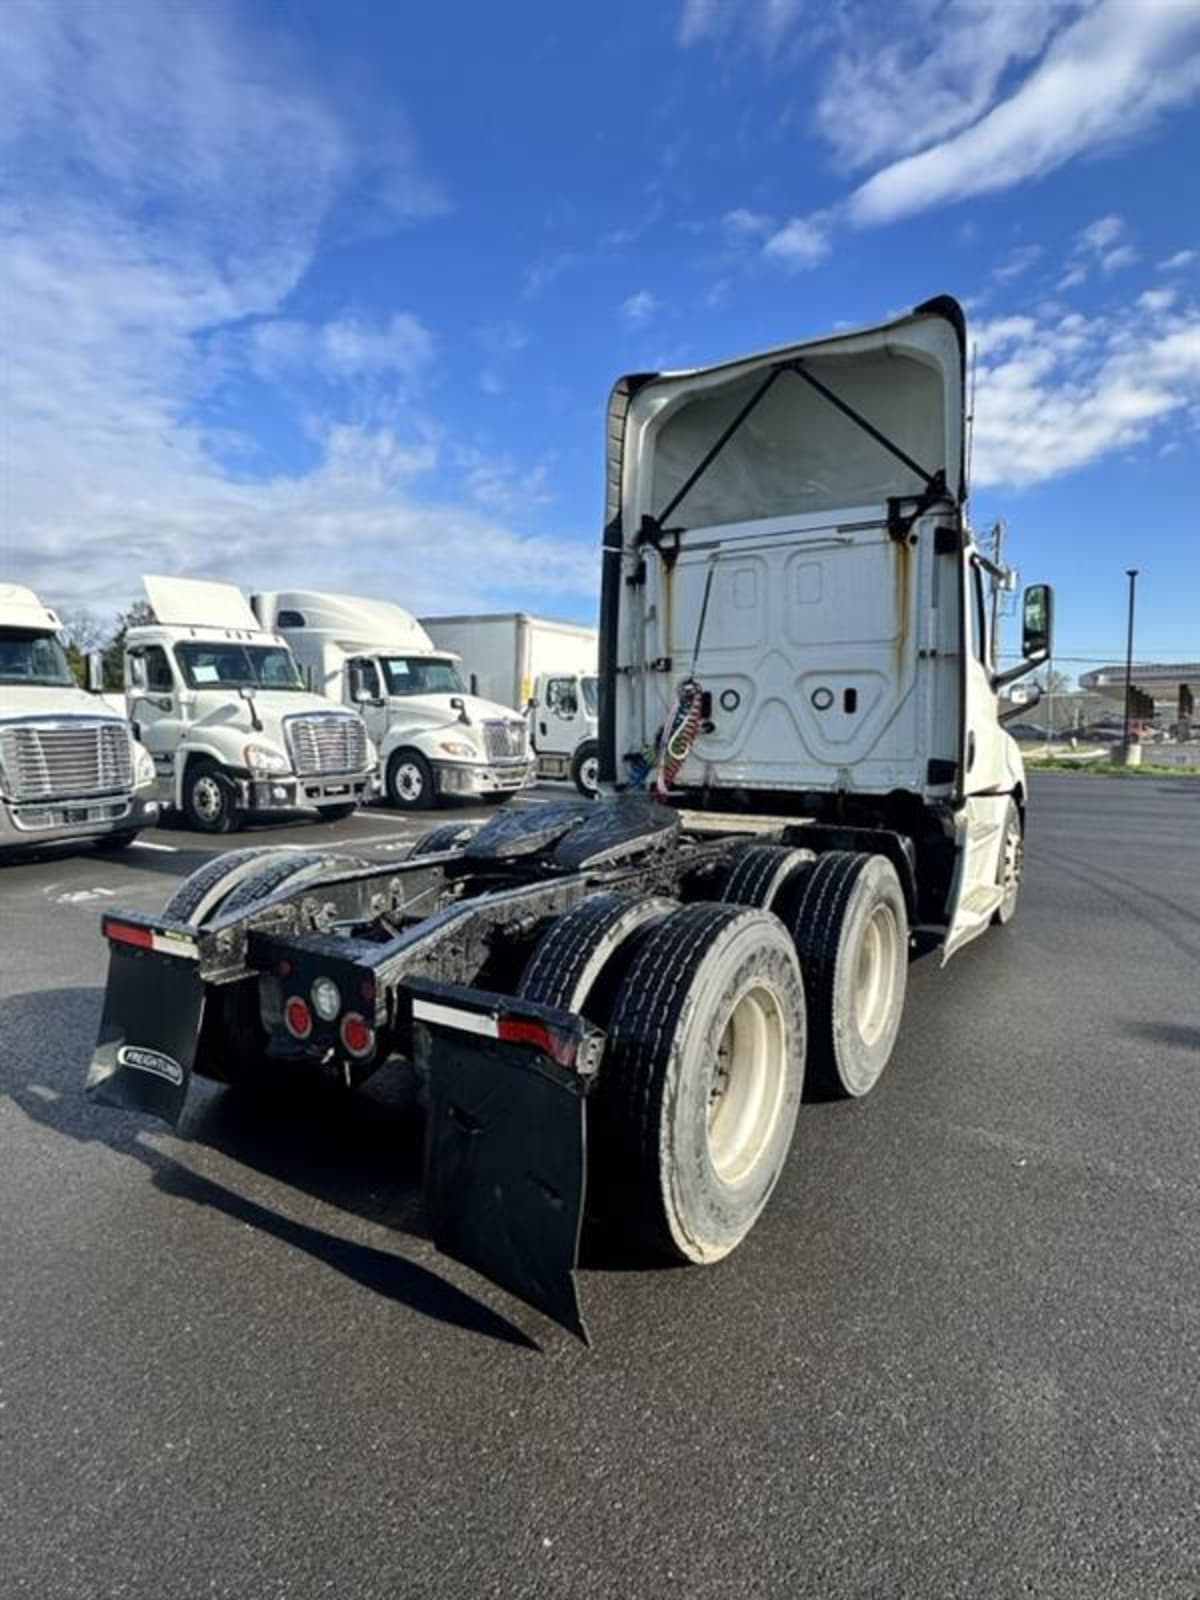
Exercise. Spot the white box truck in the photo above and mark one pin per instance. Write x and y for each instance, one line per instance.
(219, 703)
(546, 667)
(69, 767)
(436, 738)
(621, 1004)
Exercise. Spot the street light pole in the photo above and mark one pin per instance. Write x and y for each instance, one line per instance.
(1131, 573)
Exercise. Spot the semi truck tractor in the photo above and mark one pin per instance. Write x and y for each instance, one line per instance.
(69, 767)
(615, 1008)
(436, 739)
(219, 703)
(546, 667)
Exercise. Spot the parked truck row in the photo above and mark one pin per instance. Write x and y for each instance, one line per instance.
(614, 1008)
(237, 707)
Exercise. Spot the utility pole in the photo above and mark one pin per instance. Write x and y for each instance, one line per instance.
(1131, 573)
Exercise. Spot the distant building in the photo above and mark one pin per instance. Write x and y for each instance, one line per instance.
(1164, 683)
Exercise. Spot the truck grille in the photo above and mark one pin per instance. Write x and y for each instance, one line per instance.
(66, 760)
(326, 742)
(504, 741)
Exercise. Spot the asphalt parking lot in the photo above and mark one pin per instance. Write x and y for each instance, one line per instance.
(958, 1357)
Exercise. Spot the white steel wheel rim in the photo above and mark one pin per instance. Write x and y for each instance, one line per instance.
(875, 974)
(408, 781)
(590, 773)
(1013, 860)
(207, 798)
(748, 1082)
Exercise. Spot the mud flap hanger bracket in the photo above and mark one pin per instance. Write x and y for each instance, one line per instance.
(654, 531)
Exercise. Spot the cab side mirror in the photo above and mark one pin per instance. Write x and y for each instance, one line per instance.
(95, 672)
(1037, 622)
(135, 672)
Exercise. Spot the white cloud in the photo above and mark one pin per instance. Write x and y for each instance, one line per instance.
(767, 23)
(1073, 277)
(1019, 261)
(1113, 260)
(1177, 262)
(491, 382)
(1100, 235)
(1106, 75)
(167, 187)
(639, 307)
(742, 223)
(1057, 393)
(1156, 299)
(801, 243)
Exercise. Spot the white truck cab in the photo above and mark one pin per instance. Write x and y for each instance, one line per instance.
(545, 666)
(794, 605)
(436, 739)
(220, 704)
(69, 767)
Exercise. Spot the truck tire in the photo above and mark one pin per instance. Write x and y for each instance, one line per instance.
(202, 891)
(209, 800)
(761, 871)
(583, 954)
(339, 812)
(446, 836)
(702, 1079)
(850, 924)
(585, 769)
(1012, 863)
(410, 782)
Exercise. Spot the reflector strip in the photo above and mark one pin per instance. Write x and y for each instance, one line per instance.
(166, 944)
(451, 1017)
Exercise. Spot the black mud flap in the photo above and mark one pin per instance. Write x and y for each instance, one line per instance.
(506, 1148)
(148, 1032)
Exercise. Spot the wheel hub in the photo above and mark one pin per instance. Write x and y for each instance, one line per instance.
(747, 1084)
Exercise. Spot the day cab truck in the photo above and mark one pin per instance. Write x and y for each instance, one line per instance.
(546, 667)
(436, 739)
(219, 703)
(69, 768)
(615, 1007)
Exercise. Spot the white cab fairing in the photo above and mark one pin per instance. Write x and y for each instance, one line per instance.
(180, 602)
(831, 641)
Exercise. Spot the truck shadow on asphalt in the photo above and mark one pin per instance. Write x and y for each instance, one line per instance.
(360, 1153)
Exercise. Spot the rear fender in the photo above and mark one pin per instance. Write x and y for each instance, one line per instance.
(149, 1029)
(506, 1144)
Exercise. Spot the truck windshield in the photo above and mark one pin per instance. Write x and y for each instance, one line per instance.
(36, 658)
(591, 696)
(230, 666)
(421, 675)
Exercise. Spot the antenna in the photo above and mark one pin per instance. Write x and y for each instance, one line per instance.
(973, 384)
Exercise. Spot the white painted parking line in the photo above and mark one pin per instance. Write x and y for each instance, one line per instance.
(385, 816)
(148, 844)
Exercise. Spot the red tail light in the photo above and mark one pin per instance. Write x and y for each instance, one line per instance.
(358, 1036)
(297, 1018)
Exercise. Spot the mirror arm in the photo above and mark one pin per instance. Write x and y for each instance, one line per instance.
(1011, 674)
(1022, 708)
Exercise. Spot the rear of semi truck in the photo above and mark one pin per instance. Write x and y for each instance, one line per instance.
(614, 1009)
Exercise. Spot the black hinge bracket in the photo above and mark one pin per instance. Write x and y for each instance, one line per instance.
(941, 771)
(899, 522)
(948, 541)
(661, 664)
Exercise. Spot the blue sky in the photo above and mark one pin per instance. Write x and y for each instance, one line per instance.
(334, 294)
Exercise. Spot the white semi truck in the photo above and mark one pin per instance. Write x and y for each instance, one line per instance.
(69, 768)
(436, 738)
(617, 1006)
(546, 667)
(219, 703)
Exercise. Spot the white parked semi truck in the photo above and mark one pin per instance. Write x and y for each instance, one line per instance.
(219, 703)
(69, 768)
(436, 738)
(544, 666)
(615, 1007)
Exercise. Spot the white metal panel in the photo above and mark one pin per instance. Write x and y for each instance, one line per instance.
(179, 601)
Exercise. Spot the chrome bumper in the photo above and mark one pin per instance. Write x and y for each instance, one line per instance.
(288, 792)
(36, 822)
(467, 777)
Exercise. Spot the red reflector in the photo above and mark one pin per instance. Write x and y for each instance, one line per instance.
(126, 934)
(358, 1036)
(297, 1018)
(520, 1030)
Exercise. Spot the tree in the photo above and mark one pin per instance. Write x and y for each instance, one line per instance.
(139, 613)
(83, 632)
